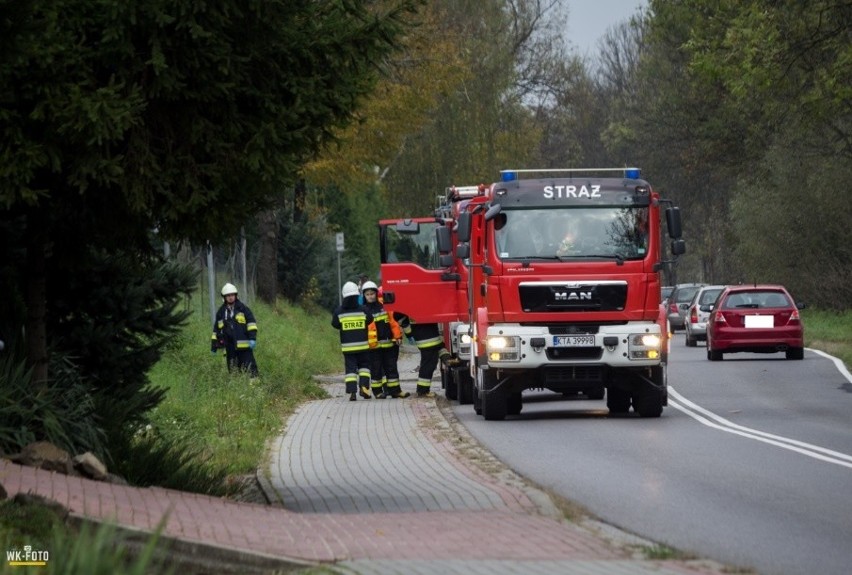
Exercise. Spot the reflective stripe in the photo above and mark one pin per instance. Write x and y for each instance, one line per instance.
(354, 346)
(431, 342)
(251, 326)
(214, 338)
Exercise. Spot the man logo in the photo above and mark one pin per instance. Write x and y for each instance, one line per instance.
(572, 296)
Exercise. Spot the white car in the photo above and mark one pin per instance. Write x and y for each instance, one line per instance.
(695, 319)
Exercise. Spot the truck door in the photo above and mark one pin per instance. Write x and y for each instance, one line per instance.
(413, 280)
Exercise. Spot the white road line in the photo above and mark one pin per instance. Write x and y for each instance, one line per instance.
(730, 427)
(710, 419)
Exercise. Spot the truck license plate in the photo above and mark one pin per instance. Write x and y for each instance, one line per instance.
(573, 340)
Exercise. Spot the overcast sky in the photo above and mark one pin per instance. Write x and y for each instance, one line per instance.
(588, 20)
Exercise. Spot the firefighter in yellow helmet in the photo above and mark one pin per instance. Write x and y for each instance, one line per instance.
(235, 331)
(352, 319)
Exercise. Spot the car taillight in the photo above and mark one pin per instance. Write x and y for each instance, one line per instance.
(719, 318)
(693, 315)
(794, 317)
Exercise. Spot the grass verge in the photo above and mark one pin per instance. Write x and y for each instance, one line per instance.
(830, 332)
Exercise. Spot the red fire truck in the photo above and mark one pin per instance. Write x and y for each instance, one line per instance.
(548, 279)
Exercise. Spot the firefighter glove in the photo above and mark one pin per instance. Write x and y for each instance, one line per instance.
(412, 341)
(252, 343)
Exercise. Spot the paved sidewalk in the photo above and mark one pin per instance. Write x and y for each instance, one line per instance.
(374, 486)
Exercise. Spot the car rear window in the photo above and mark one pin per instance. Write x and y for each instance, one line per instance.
(685, 294)
(709, 296)
(756, 300)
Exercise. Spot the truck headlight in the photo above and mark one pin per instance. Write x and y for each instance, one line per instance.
(503, 348)
(645, 346)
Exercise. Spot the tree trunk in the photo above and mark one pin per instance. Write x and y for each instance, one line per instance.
(36, 336)
(267, 262)
(299, 198)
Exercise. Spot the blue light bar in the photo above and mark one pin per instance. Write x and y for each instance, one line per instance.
(508, 175)
(631, 173)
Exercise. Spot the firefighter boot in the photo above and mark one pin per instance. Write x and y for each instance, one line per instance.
(364, 392)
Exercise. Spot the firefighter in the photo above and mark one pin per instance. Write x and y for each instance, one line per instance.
(385, 337)
(428, 340)
(235, 331)
(352, 320)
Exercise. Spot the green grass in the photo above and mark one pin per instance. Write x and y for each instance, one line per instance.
(232, 415)
(830, 332)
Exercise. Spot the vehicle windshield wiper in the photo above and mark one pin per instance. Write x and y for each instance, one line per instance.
(619, 259)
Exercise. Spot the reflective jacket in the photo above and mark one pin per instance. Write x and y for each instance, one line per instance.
(384, 330)
(352, 321)
(233, 327)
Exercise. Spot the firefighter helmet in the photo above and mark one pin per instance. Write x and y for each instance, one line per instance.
(229, 289)
(369, 285)
(349, 289)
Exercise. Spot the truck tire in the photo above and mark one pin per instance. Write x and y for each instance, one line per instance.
(494, 406)
(465, 384)
(493, 403)
(617, 400)
(514, 403)
(477, 394)
(648, 400)
(448, 379)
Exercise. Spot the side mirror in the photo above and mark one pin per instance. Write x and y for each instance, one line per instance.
(445, 244)
(673, 223)
(463, 229)
(463, 251)
(446, 260)
(678, 247)
(388, 297)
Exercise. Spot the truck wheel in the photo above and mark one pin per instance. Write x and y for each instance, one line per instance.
(465, 385)
(493, 404)
(448, 379)
(514, 403)
(477, 392)
(618, 400)
(648, 399)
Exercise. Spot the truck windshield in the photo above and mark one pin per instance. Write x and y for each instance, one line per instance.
(563, 233)
(420, 247)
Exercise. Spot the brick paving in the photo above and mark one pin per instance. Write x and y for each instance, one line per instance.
(374, 486)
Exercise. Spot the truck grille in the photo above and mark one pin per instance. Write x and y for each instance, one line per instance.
(573, 297)
(573, 374)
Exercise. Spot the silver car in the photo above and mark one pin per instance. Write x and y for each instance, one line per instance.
(678, 302)
(695, 321)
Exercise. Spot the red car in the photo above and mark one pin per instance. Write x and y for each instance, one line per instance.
(756, 318)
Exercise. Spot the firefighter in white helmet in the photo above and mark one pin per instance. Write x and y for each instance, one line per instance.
(235, 331)
(352, 320)
(385, 337)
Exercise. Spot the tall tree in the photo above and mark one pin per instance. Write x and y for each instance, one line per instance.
(184, 115)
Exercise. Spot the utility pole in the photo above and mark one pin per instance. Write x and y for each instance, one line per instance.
(340, 249)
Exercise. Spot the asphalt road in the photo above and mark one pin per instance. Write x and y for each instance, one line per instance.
(750, 464)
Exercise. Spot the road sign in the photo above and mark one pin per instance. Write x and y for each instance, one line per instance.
(340, 241)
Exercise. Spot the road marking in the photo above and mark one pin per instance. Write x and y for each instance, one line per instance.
(710, 419)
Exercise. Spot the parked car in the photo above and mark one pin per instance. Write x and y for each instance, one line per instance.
(755, 318)
(678, 302)
(697, 313)
(665, 292)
